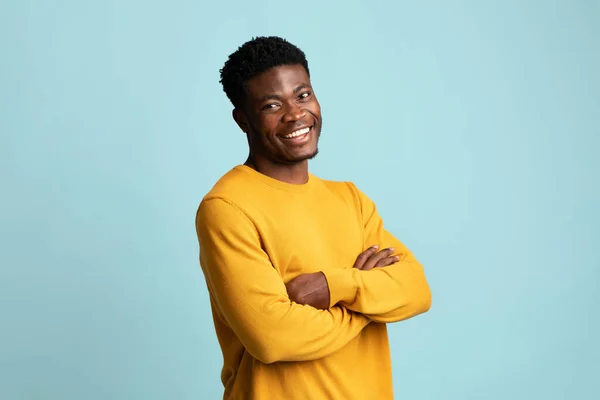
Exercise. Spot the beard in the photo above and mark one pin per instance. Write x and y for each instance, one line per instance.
(260, 146)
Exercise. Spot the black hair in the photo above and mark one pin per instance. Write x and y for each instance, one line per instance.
(253, 58)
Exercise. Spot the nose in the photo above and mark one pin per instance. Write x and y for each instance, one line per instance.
(293, 113)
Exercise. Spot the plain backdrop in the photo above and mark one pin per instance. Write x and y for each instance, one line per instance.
(474, 126)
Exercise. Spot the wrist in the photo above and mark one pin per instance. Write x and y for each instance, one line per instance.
(342, 285)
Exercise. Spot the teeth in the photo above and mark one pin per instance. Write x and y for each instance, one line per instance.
(297, 133)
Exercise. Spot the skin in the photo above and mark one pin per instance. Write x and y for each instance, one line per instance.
(312, 289)
(280, 101)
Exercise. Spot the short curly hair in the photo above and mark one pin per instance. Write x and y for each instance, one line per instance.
(253, 58)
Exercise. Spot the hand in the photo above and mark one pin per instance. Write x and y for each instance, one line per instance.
(370, 258)
(312, 289)
(309, 289)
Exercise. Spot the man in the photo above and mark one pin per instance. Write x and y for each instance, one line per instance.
(301, 273)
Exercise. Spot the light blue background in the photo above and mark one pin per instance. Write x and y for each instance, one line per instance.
(475, 126)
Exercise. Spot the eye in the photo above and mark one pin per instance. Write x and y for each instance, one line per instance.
(269, 106)
(304, 95)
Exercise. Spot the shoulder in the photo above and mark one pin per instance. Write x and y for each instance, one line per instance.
(348, 191)
(223, 199)
(338, 186)
(232, 185)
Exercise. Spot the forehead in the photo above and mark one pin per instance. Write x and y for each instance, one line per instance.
(279, 80)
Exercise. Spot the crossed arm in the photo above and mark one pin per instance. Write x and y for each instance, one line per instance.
(269, 323)
(386, 286)
(257, 307)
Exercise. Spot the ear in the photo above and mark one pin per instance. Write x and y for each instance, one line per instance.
(241, 119)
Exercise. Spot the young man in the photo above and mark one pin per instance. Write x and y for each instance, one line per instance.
(301, 273)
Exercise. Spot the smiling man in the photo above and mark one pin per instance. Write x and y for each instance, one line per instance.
(302, 275)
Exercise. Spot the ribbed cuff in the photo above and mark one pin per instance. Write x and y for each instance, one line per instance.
(342, 285)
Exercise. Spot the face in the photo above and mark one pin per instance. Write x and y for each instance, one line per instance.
(282, 116)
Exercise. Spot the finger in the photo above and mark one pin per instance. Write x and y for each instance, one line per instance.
(364, 256)
(384, 262)
(375, 258)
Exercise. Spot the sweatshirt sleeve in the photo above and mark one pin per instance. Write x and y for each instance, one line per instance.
(388, 294)
(251, 295)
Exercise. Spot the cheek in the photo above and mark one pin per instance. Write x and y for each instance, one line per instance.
(269, 125)
(315, 109)
(263, 126)
(265, 131)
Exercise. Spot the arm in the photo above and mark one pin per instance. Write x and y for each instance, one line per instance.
(387, 294)
(252, 298)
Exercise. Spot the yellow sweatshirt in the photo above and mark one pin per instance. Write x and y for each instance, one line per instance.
(257, 233)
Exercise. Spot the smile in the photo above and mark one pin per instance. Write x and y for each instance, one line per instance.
(297, 133)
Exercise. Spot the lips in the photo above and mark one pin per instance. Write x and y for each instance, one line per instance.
(298, 133)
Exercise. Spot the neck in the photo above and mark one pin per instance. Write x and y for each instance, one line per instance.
(296, 174)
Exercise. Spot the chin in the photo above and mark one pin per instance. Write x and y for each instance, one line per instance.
(313, 155)
(303, 157)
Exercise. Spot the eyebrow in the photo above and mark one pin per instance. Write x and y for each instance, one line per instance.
(277, 97)
(270, 97)
(302, 86)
